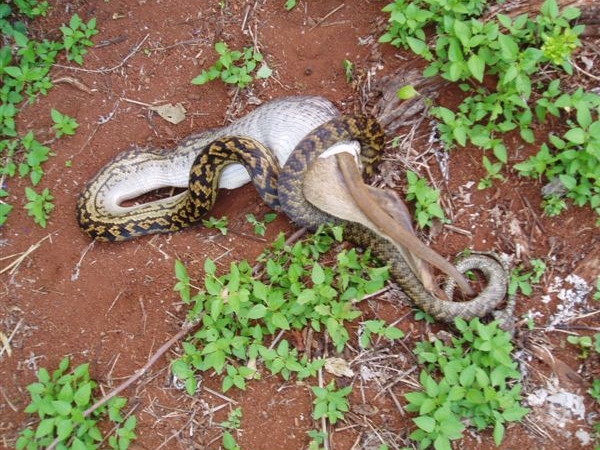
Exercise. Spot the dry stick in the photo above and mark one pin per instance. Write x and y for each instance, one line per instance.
(118, 66)
(13, 266)
(333, 11)
(584, 71)
(77, 268)
(72, 81)
(161, 351)
(178, 432)
(6, 345)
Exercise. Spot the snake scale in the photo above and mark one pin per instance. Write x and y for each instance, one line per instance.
(297, 129)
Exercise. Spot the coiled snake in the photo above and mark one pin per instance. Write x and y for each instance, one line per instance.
(306, 125)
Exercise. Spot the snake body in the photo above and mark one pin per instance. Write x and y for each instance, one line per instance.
(283, 125)
(278, 125)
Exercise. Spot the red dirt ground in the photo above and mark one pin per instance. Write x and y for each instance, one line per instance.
(113, 305)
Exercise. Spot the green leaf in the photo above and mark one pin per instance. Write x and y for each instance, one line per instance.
(498, 433)
(64, 428)
(45, 428)
(477, 67)
(318, 274)
(83, 394)
(56, 115)
(418, 46)
(527, 135)
(209, 267)
(407, 92)
(229, 442)
(77, 444)
(460, 135)
(568, 181)
(393, 333)
(508, 47)
(181, 271)
(306, 296)
(575, 135)
(221, 48)
(62, 408)
(279, 320)
(442, 443)
(425, 423)
(257, 312)
(264, 71)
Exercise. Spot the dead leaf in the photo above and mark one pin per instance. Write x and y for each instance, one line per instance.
(365, 410)
(171, 113)
(5, 344)
(338, 367)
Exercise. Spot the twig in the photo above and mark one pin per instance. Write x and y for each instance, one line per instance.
(77, 268)
(585, 72)
(137, 375)
(6, 345)
(13, 407)
(135, 102)
(176, 44)
(178, 432)
(458, 230)
(221, 396)
(332, 12)
(118, 66)
(78, 84)
(13, 266)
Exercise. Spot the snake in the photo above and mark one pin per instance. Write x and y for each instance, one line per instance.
(278, 125)
(273, 147)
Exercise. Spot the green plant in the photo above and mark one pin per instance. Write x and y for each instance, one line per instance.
(60, 401)
(594, 391)
(35, 155)
(234, 67)
(330, 403)
(467, 49)
(472, 379)
(553, 205)
(237, 376)
(290, 4)
(348, 70)
(584, 343)
(380, 328)
(260, 227)
(422, 315)
(24, 74)
(232, 423)
(522, 281)
(597, 293)
(5, 208)
(77, 36)
(63, 124)
(219, 224)
(317, 438)
(240, 312)
(39, 205)
(427, 200)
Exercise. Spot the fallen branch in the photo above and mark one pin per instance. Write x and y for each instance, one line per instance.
(137, 375)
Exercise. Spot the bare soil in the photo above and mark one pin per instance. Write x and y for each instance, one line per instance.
(113, 305)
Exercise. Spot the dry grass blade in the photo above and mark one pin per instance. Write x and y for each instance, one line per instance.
(13, 266)
(6, 340)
